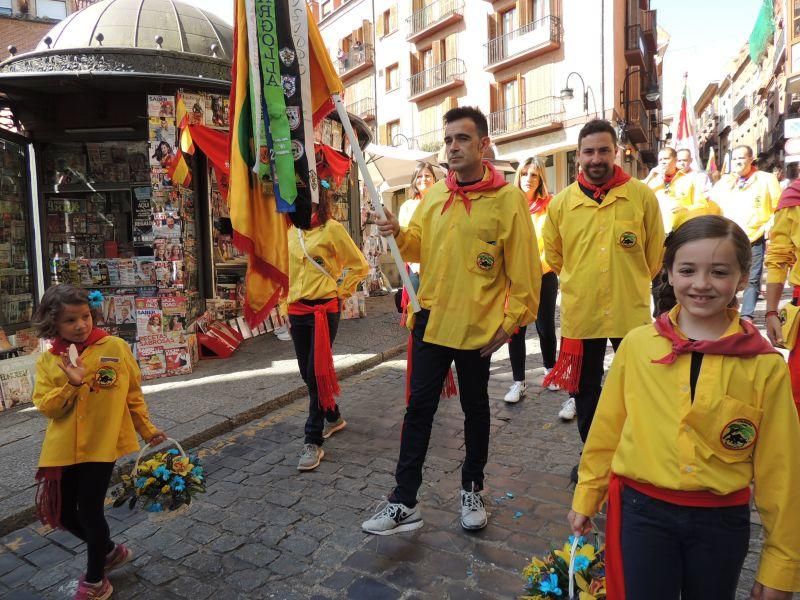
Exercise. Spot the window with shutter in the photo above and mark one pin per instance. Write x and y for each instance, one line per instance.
(379, 27)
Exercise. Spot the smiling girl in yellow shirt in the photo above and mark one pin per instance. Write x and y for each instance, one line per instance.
(697, 406)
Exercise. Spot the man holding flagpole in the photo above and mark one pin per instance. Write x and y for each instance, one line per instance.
(479, 281)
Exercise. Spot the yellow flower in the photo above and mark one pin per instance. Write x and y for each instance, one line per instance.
(182, 466)
(165, 489)
(150, 481)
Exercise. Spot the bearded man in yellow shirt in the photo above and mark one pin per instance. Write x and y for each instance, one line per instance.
(479, 280)
(604, 238)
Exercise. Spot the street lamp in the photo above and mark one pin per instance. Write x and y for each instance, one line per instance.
(567, 92)
(667, 138)
(652, 93)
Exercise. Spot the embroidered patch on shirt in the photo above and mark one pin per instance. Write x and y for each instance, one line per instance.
(627, 239)
(485, 261)
(106, 376)
(114, 359)
(739, 434)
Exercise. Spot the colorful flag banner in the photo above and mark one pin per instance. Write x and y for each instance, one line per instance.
(711, 166)
(686, 137)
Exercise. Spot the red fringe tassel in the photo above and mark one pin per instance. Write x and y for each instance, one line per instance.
(48, 496)
(566, 373)
(449, 389)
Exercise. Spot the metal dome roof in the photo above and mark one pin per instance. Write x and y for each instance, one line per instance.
(138, 23)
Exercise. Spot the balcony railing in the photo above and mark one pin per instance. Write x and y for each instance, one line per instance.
(435, 13)
(540, 34)
(649, 28)
(450, 71)
(431, 141)
(741, 109)
(638, 124)
(349, 62)
(364, 108)
(635, 48)
(544, 112)
(780, 49)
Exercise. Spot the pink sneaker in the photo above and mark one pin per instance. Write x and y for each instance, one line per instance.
(119, 556)
(94, 591)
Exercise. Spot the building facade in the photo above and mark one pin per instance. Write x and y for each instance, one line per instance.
(539, 69)
(24, 22)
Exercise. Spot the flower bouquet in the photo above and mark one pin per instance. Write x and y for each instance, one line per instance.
(549, 576)
(166, 481)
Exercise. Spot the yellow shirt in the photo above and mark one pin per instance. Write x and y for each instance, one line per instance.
(686, 197)
(538, 227)
(86, 425)
(470, 262)
(648, 429)
(331, 246)
(783, 247)
(750, 206)
(606, 256)
(407, 210)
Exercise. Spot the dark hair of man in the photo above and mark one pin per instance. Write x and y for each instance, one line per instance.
(745, 147)
(468, 112)
(671, 151)
(597, 126)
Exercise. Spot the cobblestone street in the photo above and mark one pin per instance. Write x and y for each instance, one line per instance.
(264, 530)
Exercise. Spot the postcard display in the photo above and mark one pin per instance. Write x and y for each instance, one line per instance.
(17, 342)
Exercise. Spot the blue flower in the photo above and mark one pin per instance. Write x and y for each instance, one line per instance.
(96, 299)
(140, 482)
(178, 484)
(581, 540)
(154, 507)
(161, 472)
(197, 472)
(173, 451)
(581, 563)
(550, 585)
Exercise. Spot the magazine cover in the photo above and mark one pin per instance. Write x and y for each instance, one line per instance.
(164, 278)
(161, 129)
(195, 108)
(27, 340)
(174, 312)
(161, 154)
(216, 111)
(145, 270)
(124, 307)
(178, 359)
(127, 272)
(151, 361)
(161, 106)
(167, 225)
(148, 316)
(16, 382)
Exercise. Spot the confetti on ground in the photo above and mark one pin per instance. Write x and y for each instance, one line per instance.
(509, 494)
(517, 515)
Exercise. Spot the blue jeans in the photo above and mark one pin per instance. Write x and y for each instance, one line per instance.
(750, 296)
(671, 552)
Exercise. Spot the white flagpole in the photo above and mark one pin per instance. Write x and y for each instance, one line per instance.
(376, 201)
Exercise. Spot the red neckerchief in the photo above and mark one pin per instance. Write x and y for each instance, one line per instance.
(492, 180)
(748, 344)
(61, 346)
(617, 179)
(790, 196)
(315, 222)
(537, 204)
(668, 179)
(740, 181)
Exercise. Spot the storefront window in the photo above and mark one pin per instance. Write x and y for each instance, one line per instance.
(16, 277)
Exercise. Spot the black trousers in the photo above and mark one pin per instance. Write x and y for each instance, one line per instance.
(83, 494)
(671, 552)
(545, 327)
(430, 363)
(594, 352)
(303, 338)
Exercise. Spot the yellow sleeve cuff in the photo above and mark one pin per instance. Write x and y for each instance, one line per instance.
(777, 275)
(510, 324)
(587, 501)
(778, 574)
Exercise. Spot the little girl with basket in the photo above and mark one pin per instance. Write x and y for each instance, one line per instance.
(89, 387)
(697, 406)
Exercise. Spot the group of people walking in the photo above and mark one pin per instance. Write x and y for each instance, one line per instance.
(697, 405)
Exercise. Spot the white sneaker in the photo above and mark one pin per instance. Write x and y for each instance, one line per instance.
(393, 517)
(567, 412)
(552, 387)
(473, 513)
(516, 393)
(284, 336)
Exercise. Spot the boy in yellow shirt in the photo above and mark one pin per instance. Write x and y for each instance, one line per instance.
(479, 281)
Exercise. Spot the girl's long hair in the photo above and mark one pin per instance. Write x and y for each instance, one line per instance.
(421, 166)
(700, 228)
(533, 162)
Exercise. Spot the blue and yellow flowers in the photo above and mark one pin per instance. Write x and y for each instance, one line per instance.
(166, 481)
(548, 577)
